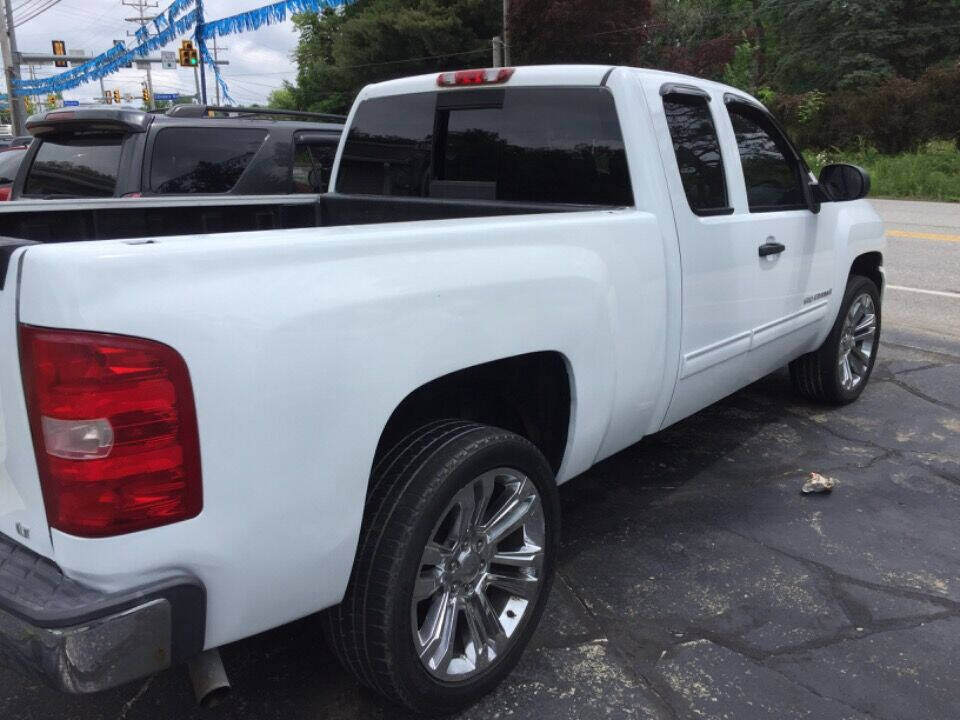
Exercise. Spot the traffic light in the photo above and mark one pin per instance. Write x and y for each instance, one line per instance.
(59, 48)
(116, 96)
(189, 57)
(108, 97)
(51, 100)
(146, 94)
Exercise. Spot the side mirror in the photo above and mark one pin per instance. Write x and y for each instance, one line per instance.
(842, 182)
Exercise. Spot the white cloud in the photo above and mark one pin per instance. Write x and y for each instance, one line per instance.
(259, 61)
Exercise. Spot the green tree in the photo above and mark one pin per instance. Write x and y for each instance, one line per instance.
(571, 31)
(284, 98)
(739, 72)
(830, 44)
(372, 40)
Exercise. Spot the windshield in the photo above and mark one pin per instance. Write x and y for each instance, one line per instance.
(75, 166)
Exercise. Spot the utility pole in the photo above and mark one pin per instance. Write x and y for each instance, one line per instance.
(497, 52)
(142, 6)
(11, 68)
(216, 61)
(37, 102)
(198, 32)
(506, 32)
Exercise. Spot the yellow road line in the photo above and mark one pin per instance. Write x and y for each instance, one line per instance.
(922, 235)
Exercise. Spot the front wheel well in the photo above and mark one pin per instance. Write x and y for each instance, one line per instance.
(527, 394)
(868, 265)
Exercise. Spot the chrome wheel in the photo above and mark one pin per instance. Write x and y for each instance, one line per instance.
(857, 341)
(479, 575)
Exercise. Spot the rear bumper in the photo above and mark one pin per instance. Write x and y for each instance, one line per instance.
(81, 640)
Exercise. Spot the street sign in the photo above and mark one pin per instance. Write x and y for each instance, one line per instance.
(168, 58)
(71, 103)
(165, 96)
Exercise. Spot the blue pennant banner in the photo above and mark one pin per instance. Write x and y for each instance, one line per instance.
(169, 25)
(108, 63)
(77, 71)
(268, 15)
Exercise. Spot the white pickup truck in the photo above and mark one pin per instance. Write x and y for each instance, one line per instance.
(516, 273)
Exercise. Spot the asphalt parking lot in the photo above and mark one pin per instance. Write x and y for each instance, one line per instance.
(695, 580)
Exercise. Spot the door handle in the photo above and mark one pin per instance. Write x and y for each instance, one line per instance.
(771, 248)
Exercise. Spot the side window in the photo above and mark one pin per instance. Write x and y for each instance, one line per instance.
(697, 147)
(312, 163)
(202, 160)
(770, 169)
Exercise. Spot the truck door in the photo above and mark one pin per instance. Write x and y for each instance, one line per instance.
(792, 265)
(717, 252)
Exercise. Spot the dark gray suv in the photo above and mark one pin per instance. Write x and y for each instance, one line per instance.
(103, 151)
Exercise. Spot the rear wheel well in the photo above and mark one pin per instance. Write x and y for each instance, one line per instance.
(868, 265)
(526, 394)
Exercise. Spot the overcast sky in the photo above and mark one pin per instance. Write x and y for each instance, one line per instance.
(259, 61)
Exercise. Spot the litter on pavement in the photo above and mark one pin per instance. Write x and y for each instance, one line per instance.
(818, 483)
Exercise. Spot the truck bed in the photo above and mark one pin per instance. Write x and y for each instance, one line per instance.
(69, 220)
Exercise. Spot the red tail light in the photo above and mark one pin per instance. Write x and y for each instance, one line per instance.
(5, 191)
(115, 431)
(490, 76)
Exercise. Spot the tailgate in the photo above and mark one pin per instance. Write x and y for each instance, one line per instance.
(22, 514)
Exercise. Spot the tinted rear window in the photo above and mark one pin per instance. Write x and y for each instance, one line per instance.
(202, 160)
(79, 166)
(9, 164)
(549, 145)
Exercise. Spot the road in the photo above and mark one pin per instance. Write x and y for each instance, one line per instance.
(923, 269)
(694, 580)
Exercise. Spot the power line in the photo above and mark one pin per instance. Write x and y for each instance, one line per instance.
(37, 13)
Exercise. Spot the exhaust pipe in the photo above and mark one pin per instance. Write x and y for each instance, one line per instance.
(209, 678)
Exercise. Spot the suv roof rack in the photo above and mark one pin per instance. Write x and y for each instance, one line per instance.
(194, 111)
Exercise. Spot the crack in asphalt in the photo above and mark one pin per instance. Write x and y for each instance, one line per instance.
(128, 705)
(923, 396)
(601, 621)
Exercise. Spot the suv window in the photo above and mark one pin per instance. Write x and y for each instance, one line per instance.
(697, 148)
(202, 160)
(770, 169)
(549, 145)
(10, 163)
(75, 166)
(312, 162)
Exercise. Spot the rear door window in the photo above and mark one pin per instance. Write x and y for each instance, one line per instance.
(312, 162)
(202, 160)
(75, 166)
(534, 145)
(697, 148)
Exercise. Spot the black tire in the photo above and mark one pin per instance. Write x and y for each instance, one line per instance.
(371, 630)
(817, 375)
